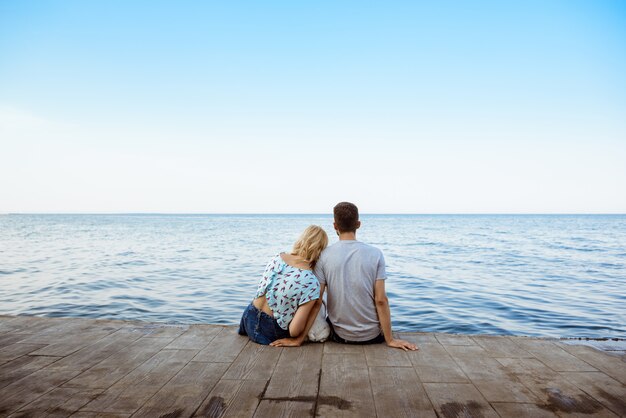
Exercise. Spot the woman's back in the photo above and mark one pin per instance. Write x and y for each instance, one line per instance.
(286, 287)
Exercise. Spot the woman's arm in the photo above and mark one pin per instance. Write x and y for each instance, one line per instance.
(299, 321)
(310, 319)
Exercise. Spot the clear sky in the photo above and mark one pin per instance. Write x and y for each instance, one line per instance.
(290, 107)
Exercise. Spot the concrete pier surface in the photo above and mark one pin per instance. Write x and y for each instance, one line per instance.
(103, 368)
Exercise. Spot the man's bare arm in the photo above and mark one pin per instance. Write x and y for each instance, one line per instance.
(384, 317)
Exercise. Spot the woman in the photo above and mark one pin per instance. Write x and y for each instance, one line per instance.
(286, 292)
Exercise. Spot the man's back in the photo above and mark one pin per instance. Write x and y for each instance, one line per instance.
(350, 268)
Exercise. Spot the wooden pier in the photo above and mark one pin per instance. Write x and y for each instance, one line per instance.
(63, 367)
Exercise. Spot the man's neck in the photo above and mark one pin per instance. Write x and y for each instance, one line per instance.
(347, 236)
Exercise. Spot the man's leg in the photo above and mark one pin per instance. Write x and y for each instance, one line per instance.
(336, 338)
(333, 335)
(376, 340)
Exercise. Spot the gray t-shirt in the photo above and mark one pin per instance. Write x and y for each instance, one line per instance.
(350, 269)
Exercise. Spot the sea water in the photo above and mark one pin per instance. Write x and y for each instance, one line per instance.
(536, 275)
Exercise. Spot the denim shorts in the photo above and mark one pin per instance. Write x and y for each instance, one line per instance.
(260, 327)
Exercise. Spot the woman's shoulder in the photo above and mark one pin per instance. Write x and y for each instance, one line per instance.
(275, 261)
(311, 277)
(279, 257)
(294, 263)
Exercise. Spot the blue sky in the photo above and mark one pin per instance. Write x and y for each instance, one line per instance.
(401, 107)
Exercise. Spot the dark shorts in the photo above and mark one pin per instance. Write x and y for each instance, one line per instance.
(336, 338)
(260, 327)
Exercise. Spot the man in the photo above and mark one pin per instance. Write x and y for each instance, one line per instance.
(354, 273)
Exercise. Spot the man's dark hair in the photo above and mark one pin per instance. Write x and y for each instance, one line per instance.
(346, 216)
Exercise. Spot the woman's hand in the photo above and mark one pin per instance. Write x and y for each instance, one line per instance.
(287, 342)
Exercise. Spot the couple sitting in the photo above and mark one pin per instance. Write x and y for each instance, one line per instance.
(289, 295)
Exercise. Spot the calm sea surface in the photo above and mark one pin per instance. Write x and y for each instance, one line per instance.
(477, 274)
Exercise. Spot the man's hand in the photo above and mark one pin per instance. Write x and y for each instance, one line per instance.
(287, 342)
(405, 345)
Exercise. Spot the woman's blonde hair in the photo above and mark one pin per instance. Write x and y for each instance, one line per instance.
(310, 244)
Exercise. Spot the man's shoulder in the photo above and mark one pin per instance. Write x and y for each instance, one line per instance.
(370, 249)
(332, 247)
(328, 251)
(370, 246)
(339, 247)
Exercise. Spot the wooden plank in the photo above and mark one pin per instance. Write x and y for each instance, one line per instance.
(182, 395)
(256, 362)
(398, 393)
(232, 398)
(29, 388)
(419, 337)
(345, 389)
(112, 369)
(612, 366)
(453, 339)
(4, 318)
(458, 351)
(22, 367)
(452, 400)
(379, 355)
(129, 375)
(224, 348)
(159, 330)
(521, 410)
(6, 324)
(335, 348)
(72, 342)
(114, 324)
(555, 392)
(70, 326)
(9, 338)
(434, 365)
(285, 409)
(84, 414)
(501, 347)
(94, 354)
(606, 390)
(553, 356)
(59, 402)
(133, 390)
(65, 348)
(196, 337)
(29, 324)
(521, 368)
(16, 350)
(296, 374)
(493, 381)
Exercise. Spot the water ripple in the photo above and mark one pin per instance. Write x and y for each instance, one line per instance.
(514, 275)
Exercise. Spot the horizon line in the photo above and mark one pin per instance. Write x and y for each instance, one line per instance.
(314, 213)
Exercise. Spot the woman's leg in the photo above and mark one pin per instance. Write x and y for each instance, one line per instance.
(269, 330)
(259, 326)
(279, 332)
(242, 323)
